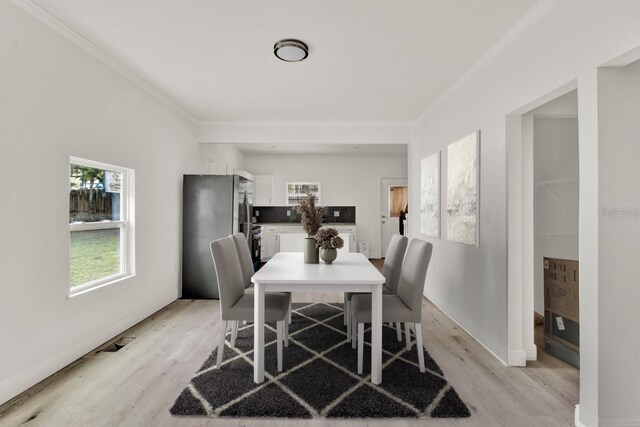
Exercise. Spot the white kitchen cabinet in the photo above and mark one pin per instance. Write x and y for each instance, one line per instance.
(276, 237)
(270, 245)
(349, 233)
(263, 190)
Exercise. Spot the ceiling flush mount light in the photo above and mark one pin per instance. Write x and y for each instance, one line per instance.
(291, 50)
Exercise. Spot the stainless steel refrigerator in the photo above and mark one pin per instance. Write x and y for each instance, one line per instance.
(214, 206)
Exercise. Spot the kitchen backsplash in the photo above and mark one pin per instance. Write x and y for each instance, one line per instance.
(287, 214)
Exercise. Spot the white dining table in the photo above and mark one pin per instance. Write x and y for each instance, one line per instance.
(287, 272)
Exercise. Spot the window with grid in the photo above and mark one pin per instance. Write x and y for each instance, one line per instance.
(99, 224)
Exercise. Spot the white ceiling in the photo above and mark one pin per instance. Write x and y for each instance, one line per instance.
(369, 60)
(259, 148)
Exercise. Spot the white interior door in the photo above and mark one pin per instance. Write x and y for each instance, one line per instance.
(393, 199)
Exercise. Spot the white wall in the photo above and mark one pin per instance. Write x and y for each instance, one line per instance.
(58, 101)
(348, 180)
(556, 192)
(222, 157)
(552, 47)
(619, 239)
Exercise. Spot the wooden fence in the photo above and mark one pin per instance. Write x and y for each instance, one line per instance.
(90, 208)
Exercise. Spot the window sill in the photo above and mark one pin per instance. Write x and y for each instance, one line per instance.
(92, 286)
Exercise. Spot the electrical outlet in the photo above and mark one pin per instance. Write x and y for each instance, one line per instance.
(560, 323)
(288, 213)
(256, 213)
(336, 213)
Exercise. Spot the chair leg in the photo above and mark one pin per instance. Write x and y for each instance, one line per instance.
(399, 331)
(407, 335)
(289, 310)
(286, 334)
(354, 331)
(234, 333)
(346, 310)
(347, 320)
(280, 327)
(418, 328)
(223, 333)
(360, 346)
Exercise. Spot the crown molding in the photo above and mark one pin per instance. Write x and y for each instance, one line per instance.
(65, 31)
(211, 132)
(285, 124)
(532, 16)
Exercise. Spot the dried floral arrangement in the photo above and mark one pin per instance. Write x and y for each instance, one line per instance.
(328, 238)
(311, 215)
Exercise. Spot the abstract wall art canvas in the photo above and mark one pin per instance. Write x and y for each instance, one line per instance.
(430, 195)
(463, 189)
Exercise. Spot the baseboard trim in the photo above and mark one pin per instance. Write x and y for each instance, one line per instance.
(631, 421)
(52, 364)
(472, 336)
(531, 352)
(517, 357)
(577, 417)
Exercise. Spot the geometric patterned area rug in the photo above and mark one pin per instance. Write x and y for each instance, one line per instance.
(319, 377)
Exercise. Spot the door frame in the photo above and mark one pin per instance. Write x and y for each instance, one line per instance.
(520, 236)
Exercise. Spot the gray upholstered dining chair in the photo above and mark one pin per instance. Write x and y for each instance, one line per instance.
(244, 255)
(391, 272)
(404, 307)
(246, 265)
(236, 304)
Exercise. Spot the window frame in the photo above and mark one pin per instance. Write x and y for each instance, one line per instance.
(124, 225)
(288, 195)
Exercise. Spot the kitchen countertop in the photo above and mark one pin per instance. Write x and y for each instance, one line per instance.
(324, 224)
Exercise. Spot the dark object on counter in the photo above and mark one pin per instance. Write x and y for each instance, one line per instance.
(214, 206)
(402, 219)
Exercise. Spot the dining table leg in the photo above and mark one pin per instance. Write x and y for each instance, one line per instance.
(258, 333)
(376, 333)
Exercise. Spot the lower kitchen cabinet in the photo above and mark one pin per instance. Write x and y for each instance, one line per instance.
(271, 239)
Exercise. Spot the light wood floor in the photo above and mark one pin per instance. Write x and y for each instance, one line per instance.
(137, 385)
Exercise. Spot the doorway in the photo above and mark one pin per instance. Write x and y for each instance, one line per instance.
(543, 216)
(393, 208)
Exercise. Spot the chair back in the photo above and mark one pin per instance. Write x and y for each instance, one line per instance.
(393, 261)
(230, 284)
(413, 276)
(244, 255)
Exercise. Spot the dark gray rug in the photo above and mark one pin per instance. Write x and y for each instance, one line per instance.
(319, 378)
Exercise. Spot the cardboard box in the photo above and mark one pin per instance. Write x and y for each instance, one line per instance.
(561, 301)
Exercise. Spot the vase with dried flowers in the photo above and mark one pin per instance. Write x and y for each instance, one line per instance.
(311, 222)
(328, 241)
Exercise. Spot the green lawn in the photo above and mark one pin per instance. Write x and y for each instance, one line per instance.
(94, 254)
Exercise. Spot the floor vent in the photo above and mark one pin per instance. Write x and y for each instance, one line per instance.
(117, 344)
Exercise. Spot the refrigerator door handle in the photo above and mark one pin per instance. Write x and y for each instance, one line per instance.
(249, 222)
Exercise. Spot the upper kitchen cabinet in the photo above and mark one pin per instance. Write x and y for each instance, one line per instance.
(263, 190)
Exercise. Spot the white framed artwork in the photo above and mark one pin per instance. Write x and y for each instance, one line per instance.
(430, 195)
(463, 189)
